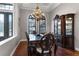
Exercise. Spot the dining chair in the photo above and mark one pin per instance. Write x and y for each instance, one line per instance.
(27, 36)
(34, 32)
(30, 47)
(46, 44)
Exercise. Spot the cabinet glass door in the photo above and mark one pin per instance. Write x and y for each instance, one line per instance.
(59, 27)
(66, 31)
(56, 28)
(59, 30)
(68, 25)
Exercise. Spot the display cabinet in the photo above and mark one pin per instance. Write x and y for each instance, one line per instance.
(67, 31)
(64, 30)
(57, 29)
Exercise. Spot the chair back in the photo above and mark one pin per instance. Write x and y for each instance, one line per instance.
(47, 41)
(27, 36)
(34, 32)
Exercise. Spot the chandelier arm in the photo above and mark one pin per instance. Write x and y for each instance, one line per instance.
(38, 13)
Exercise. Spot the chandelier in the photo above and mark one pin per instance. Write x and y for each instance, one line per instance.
(38, 13)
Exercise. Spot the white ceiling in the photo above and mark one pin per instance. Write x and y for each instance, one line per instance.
(43, 6)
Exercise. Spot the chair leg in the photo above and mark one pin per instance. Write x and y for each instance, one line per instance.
(55, 49)
(32, 51)
(28, 51)
(50, 53)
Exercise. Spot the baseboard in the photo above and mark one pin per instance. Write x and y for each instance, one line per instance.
(23, 40)
(77, 49)
(14, 49)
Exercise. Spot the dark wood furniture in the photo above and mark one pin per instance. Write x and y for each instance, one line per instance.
(67, 31)
(46, 44)
(30, 47)
(33, 41)
(65, 26)
(57, 30)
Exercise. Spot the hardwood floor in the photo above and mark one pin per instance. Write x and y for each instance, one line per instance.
(21, 50)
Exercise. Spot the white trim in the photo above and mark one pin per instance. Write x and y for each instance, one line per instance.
(6, 40)
(23, 40)
(77, 49)
(14, 49)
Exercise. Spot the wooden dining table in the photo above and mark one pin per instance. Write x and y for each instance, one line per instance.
(34, 41)
(35, 38)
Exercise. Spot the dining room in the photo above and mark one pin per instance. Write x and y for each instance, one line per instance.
(38, 21)
(35, 18)
(39, 29)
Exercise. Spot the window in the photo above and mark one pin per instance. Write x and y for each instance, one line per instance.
(42, 26)
(6, 25)
(31, 24)
(6, 22)
(1, 25)
(5, 6)
(10, 25)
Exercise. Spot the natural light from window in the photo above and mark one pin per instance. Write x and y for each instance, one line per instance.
(1, 25)
(6, 20)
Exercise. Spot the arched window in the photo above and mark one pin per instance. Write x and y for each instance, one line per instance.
(36, 26)
(42, 25)
(31, 24)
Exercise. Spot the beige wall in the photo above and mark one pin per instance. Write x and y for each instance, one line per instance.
(23, 22)
(64, 9)
(7, 48)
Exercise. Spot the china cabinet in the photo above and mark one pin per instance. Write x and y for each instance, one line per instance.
(64, 30)
(57, 29)
(67, 28)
